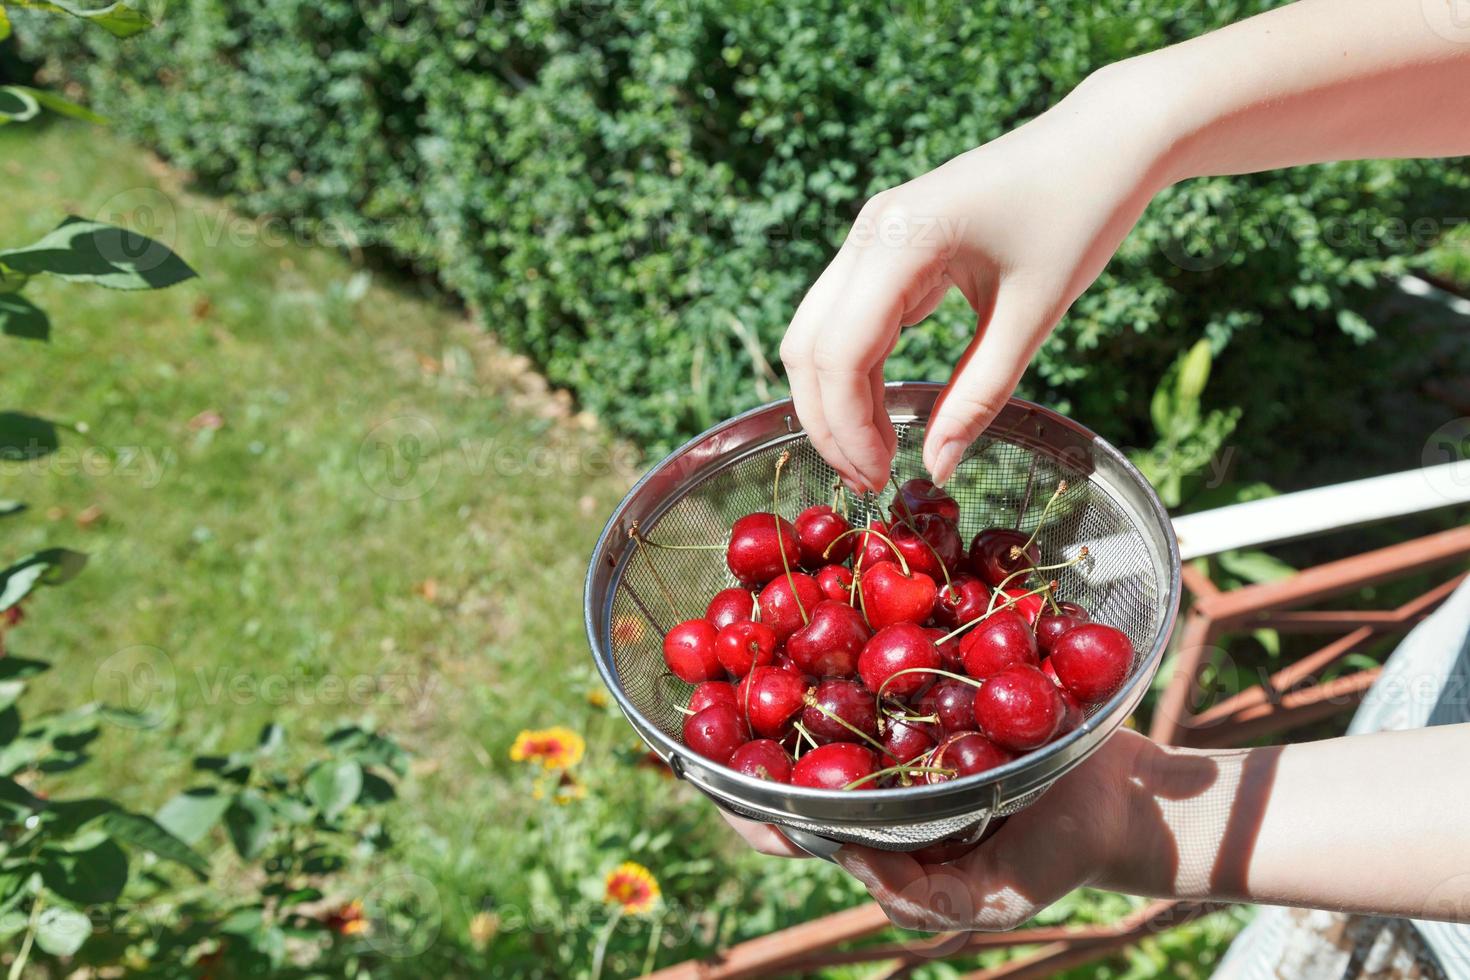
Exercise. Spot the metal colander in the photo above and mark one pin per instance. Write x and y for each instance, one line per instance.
(634, 594)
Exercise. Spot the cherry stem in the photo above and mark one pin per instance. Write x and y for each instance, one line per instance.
(659, 686)
(811, 702)
(803, 733)
(1026, 494)
(880, 535)
(928, 670)
(638, 543)
(1041, 521)
(987, 614)
(780, 543)
(1051, 599)
(903, 768)
(908, 520)
(1026, 572)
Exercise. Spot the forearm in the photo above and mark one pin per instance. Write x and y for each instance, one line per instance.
(1375, 823)
(1315, 81)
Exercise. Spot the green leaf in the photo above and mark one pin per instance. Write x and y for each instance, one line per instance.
(61, 931)
(1254, 566)
(17, 105)
(26, 437)
(118, 19)
(1270, 640)
(248, 821)
(21, 318)
(334, 786)
(16, 799)
(63, 107)
(8, 507)
(91, 877)
(191, 814)
(142, 831)
(50, 567)
(80, 250)
(4, 24)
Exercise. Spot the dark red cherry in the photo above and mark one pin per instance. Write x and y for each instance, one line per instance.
(829, 645)
(903, 646)
(778, 602)
(991, 556)
(921, 496)
(834, 766)
(762, 758)
(769, 699)
(1051, 625)
(890, 596)
(816, 530)
(1092, 661)
(689, 651)
(1072, 711)
(754, 551)
(847, 700)
(743, 645)
(951, 658)
(931, 541)
(1003, 640)
(967, 753)
(715, 733)
(953, 702)
(710, 693)
(835, 581)
(730, 606)
(964, 600)
(1019, 708)
(906, 742)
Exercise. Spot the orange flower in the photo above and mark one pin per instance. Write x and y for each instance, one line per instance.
(347, 920)
(550, 748)
(632, 888)
(626, 630)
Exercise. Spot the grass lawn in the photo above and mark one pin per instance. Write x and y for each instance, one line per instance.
(312, 495)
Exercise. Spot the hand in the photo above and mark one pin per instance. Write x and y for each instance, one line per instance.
(1020, 226)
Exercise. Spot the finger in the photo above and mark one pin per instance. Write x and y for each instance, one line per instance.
(881, 419)
(801, 374)
(894, 880)
(763, 837)
(986, 375)
(928, 304)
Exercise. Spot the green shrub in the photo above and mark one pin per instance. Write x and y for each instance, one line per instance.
(636, 192)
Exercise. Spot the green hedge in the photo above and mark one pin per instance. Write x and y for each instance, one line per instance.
(636, 192)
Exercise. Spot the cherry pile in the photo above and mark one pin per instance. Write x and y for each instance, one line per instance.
(887, 655)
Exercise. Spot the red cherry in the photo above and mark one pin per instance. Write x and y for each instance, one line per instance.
(689, 651)
(930, 543)
(829, 645)
(711, 693)
(953, 702)
(715, 733)
(1003, 640)
(730, 606)
(964, 600)
(754, 551)
(967, 753)
(1029, 605)
(778, 603)
(835, 581)
(1051, 625)
(763, 759)
(906, 741)
(990, 554)
(902, 646)
(951, 657)
(816, 529)
(1072, 713)
(871, 548)
(849, 701)
(834, 766)
(921, 496)
(741, 646)
(769, 698)
(1092, 661)
(1019, 708)
(890, 596)
(1050, 671)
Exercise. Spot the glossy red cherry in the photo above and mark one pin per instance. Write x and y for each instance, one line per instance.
(1029, 604)
(829, 645)
(715, 733)
(711, 693)
(743, 645)
(1092, 661)
(903, 646)
(847, 700)
(964, 600)
(951, 657)
(835, 581)
(921, 496)
(906, 742)
(754, 551)
(991, 554)
(689, 651)
(1051, 625)
(931, 542)
(762, 758)
(1072, 711)
(819, 527)
(769, 699)
(890, 596)
(872, 549)
(834, 766)
(1003, 640)
(730, 606)
(779, 606)
(953, 702)
(1019, 708)
(967, 753)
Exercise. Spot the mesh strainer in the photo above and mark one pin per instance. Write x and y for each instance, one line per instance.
(634, 594)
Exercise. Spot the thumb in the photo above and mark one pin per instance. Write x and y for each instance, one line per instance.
(985, 377)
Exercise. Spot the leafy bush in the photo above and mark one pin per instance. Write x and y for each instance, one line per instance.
(636, 193)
